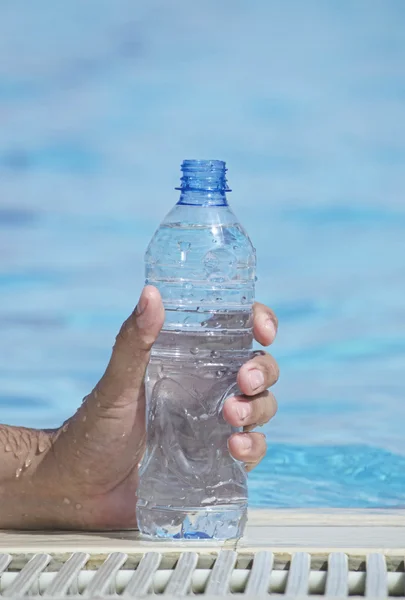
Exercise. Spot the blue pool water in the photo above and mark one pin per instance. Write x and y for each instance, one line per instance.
(100, 102)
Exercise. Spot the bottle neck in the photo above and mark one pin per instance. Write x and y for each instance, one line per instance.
(203, 183)
(194, 198)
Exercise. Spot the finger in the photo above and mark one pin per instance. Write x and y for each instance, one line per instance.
(265, 324)
(258, 374)
(126, 369)
(249, 448)
(240, 411)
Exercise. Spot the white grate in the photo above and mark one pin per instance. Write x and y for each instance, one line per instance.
(212, 575)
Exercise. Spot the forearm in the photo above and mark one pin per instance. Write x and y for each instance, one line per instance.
(21, 451)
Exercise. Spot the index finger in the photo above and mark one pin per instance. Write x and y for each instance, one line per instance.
(265, 324)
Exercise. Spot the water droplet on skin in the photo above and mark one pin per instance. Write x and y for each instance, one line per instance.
(87, 436)
(98, 404)
(78, 506)
(194, 350)
(95, 393)
(77, 453)
(43, 444)
(28, 461)
(84, 419)
(18, 472)
(65, 427)
(74, 441)
(87, 471)
(66, 501)
(8, 448)
(130, 369)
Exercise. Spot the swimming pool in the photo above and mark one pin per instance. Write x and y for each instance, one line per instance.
(100, 102)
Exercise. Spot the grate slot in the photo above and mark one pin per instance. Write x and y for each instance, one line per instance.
(5, 560)
(180, 581)
(298, 578)
(142, 580)
(376, 577)
(104, 579)
(260, 574)
(28, 576)
(337, 582)
(67, 574)
(220, 579)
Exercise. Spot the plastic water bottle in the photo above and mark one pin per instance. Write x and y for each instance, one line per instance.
(203, 263)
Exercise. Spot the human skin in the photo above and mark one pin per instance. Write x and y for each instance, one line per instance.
(84, 475)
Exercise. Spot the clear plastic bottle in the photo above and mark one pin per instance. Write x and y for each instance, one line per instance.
(203, 263)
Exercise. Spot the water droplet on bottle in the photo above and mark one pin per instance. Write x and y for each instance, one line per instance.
(236, 247)
(214, 354)
(194, 350)
(218, 299)
(244, 300)
(189, 286)
(219, 374)
(184, 250)
(255, 277)
(203, 323)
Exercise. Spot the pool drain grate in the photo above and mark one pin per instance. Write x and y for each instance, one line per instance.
(211, 575)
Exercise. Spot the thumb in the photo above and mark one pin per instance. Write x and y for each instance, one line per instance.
(125, 372)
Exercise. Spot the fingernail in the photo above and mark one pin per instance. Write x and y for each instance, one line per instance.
(271, 328)
(246, 442)
(142, 304)
(256, 379)
(243, 410)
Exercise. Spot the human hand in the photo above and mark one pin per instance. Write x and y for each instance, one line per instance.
(89, 476)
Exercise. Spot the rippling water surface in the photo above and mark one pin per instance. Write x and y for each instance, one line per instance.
(100, 102)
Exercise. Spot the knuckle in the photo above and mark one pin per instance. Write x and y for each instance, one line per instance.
(126, 331)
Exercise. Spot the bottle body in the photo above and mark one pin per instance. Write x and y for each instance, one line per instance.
(203, 263)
